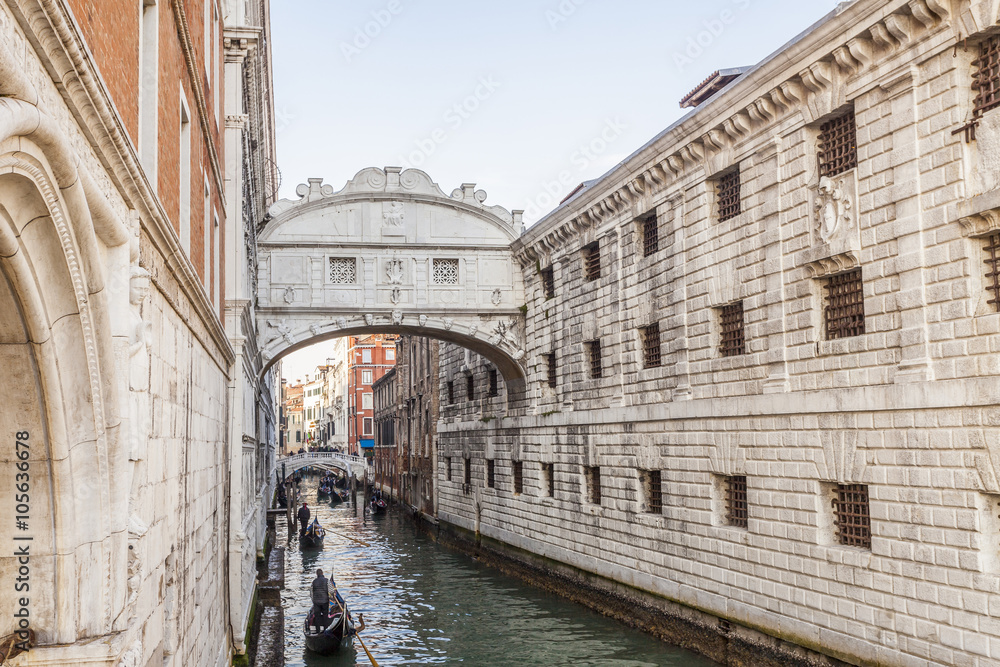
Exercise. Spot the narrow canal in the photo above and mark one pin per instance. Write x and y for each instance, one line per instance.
(425, 604)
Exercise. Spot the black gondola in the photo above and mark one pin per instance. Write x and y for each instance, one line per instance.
(377, 506)
(322, 492)
(333, 637)
(312, 537)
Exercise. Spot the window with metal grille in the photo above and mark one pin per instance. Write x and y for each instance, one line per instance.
(651, 345)
(445, 271)
(494, 383)
(451, 391)
(491, 479)
(851, 515)
(845, 305)
(728, 189)
(518, 477)
(653, 482)
(733, 340)
(986, 78)
(592, 261)
(650, 235)
(593, 475)
(549, 283)
(594, 356)
(343, 270)
(470, 387)
(838, 145)
(448, 469)
(549, 470)
(550, 362)
(992, 261)
(468, 472)
(736, 501)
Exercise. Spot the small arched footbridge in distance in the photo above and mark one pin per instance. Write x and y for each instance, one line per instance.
(352, 466)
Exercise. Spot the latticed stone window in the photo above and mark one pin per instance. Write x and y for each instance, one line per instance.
(594, 357)
(728, 190)
(494, 383)
(986, 78)
(736, 501)
(838, 145)
(343, 270)
(518, 477)
(550, 362)
(845, 305)
(549, 283)
(491, 479)
(650, 234)
(851, 515)
(470, 387)
(549, 471)
(651, 345)
(593, 475)
(733, 340)
(592, 261)
(653, 482)
(992, 261)
(445, 272)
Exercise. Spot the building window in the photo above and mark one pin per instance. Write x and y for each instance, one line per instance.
(851, 515)
(298, 436)
(845, 305)
(594, 356)
(491, 479)
(367, 426)
(366, 356)
(451, 391)
(592, 261)
(343, 270)
(549, 473)
(550, 362)
(468, 474)
(548, 283)
(838, 145)
(184, 223)
(390, 354)
(367, 402)
(593, 475)
(986, 79)
(518, 477)
(470, 387)
(149, 103)
(992, 261)
(650, 234)
(733, 340)
(651, 345)
(494, 383)
(652, 484)
(366, 377)
(445, 272)
(728, 193)
(736, 501)
(448, 469)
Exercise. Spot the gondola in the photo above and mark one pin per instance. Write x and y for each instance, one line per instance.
(312, 537)
(377, 506)
(321, 493)
(336, 498)
(333, 637)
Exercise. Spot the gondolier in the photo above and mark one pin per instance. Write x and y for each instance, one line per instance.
(320, 600)
(303, 515)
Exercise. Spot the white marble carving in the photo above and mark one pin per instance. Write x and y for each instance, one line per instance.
(833, 207)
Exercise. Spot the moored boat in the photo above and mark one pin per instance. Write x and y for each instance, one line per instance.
(329, 640)
(377, 506)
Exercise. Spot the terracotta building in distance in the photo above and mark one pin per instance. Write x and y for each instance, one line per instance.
(368, 359)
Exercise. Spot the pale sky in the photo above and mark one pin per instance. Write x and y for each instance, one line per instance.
(526, 98)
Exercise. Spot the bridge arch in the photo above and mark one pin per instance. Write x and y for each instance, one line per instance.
(392, 253)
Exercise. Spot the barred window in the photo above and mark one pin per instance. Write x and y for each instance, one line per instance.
(468, 473)
(594, 356)
(736, 501)
(494, 383)
(451, 391)
(343, 270)
(470, 387)
(992, 261)
(651, 345)
(845, 305)
(592, 261)
(733, 341)
(650, 234)
(518, 477)
(838, 145)
(550, 361)
(448, 469)
(593, 475)
(491, 479)
(445, 271)
(549, 472)
(549, 283)
(851, 515)
(653, 484)
(728, 188)
(986, 78)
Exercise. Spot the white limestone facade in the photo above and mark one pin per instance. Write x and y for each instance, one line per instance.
(903, 407)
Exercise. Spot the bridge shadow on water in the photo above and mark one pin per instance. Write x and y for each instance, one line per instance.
(425, 604)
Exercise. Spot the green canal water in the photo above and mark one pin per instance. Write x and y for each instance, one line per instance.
(428, 605)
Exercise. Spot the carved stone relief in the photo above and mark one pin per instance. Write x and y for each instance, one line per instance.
(833, 206)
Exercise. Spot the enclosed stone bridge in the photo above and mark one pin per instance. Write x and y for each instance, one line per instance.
(392, 253)
(352, 466)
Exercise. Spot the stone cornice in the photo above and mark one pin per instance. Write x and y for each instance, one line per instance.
(862, 35)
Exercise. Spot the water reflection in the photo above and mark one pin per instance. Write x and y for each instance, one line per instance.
(426, 605)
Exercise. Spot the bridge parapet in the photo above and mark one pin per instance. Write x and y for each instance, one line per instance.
(355, 466)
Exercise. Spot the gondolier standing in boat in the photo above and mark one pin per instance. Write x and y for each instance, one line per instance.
(320, 599)
(303, 515)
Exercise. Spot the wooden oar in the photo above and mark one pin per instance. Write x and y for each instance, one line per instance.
(367, 652)
(364, 544)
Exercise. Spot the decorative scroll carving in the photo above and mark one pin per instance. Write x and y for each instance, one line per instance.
(833, 207)
(838, 263)
(496, 297)
(289, 295)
